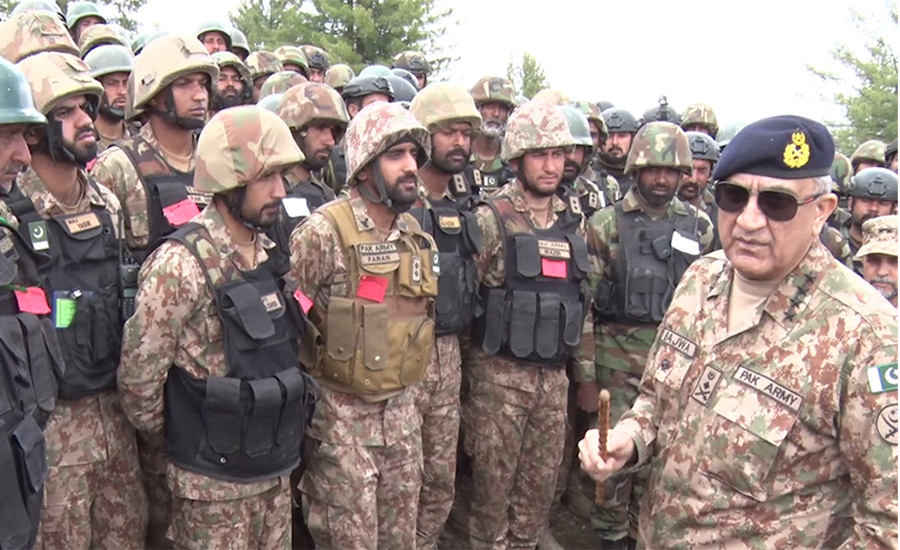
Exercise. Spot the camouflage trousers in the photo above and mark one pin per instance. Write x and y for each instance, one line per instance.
(437, 400)
(96, 505)
(515, 441)
(617, 516)
(260, 521)
(153, 460)
(363, 497)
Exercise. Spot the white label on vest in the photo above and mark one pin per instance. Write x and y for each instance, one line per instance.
(553, 249)
(271, 302)
(295, 207)
(77, 224)
(684, 244)
(449, 222)
(378, 253)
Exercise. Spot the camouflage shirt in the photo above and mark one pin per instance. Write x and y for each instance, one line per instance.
(176, 322)
(837, 245)
(317, 264)
(853, 244)
(104, 142)
(610, 187)
(783, 435)
(115, 170)
(492, 272)
(91, 429)
(624, 347)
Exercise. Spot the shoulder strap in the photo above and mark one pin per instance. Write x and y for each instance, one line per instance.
(217, 270)
(500, 220)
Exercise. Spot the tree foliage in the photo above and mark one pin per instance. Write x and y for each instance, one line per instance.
(356, 32)
(528, 77)
(865, 87)
(123, 12)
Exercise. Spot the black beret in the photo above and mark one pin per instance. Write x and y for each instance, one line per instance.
(784, 147)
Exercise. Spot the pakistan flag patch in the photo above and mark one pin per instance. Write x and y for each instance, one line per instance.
(882, 378)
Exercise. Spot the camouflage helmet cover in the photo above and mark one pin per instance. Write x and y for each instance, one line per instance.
(494, 89)
(337, 76)
(34, 31)
(240, 145)
(555, 97)
(660, 144)
(312, 102)
(228, 59)
(413, 61)
(441, 103)
(703, 147)
(98, 35)
(263, 63)
(165, 60)
(841, 170)
(870, 151)
(79, 10)
(145, 37)
(593, 114)
(109, 59)
(377, 128)
(55, 77)
(535, 125)
(316, 58)
(701, 114)
(890, 151)
(17, 103)
(281, 82)
(294, 56)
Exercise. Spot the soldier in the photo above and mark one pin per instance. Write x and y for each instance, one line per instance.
(841, 172)
(890, 156)
(239, 45)
(414, 62)
(32, 32)
(17, 116)
(700, 117)
(495, 99)
(318, 119)
(215, 36)
(293, 59)
(607, 184)
(644, 243)
(210, 362)
(879, 255)
(614, 151)
(694, 187)
(369, 277)
(577, 159)
(152, 175)
(111, 65)
(281, 82)
(262, 65)
(98, 35)
(870, 154)
(533, 270)
(93, 495)
(449, 114)
(80, 16)
(873, 193)
(234, 85)
(318, 62)
(734, 405)
(337, 76)
(662, 112)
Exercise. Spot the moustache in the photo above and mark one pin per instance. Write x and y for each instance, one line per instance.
(615, 149)
(571, 165)
(88, 132)
(884, 280)
(15, 169)
(409, 177)
(458, 151)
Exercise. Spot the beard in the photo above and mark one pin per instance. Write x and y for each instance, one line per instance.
(82, 154)
(230, 97)
(313, 162)
(493, 128)
(537, 190)
(653, 193)
(262, 218)
(401, 200)
(570, 171)
(863, 218)
(444, 164)
(888, 293)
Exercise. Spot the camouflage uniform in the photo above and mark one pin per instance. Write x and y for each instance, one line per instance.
(837, 245)
(105, 60)
(177, 326)
(491, 89)
(869, 151)
(514, 413)
(622, 345)
(726, 424)
(362, 481)
(292, 55)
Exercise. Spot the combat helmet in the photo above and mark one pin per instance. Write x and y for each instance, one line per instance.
(619, 120)
(413, 61)
(580, 129)
(270, 102)
(337, 76)
(364, 85)
(164, 61)
(874, 183)
(555, 97)
(294, 56)
(281, 82)
(373, 131)
(239, 44)
(441, 103)
(404, 92)
(109, 59)
(703, 147)
(407, 76)
(375, 70)
(594, 115)
(316, 58)
(535, 125)
(17, 103)
(144, 38)
(890, 152)
(870, 151)
(841, 172)
(98, 35)
(311, 103)
(215, 26)
(38, 5)
(34, 31)
(660, 144)
(662, 112)
(263, 63)
(700, 114)
(494, 89)
(79, 10)
(229, 59)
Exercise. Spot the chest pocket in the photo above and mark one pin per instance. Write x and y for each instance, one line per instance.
(745, 435)
(672, 369)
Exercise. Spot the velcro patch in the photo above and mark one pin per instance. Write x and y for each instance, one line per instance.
(271, 302)
(553, 249)
(449, 222)
(83, 222)
(882, 378)
(680, 343)
(766, 385)
(378, 253)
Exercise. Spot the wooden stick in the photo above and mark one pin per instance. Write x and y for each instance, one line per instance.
(603, 430)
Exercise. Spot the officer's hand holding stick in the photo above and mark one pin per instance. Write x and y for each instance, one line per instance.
(619, 450)
(602, 433)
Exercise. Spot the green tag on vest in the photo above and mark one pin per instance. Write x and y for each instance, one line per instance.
(436, 261)
(882, 378)
(37, 231)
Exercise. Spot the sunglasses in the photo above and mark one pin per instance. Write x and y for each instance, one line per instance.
(779, 206)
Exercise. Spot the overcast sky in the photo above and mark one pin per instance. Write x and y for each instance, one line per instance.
(746, 58)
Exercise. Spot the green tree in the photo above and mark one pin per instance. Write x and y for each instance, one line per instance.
(123, 12)
(528, 77)
(356, 32)
(865, 87)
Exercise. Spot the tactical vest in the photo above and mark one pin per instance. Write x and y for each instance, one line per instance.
(336, 171)
(298, 203)
(171, 197)
(30, 366)
(537, 314)
(249, 424)
(653, 255)
(81, 283)
(458, 237)
(378, 330)
(491, 182)
(591, 201)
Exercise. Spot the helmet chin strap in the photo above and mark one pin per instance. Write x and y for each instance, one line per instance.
(234, 201)
(187, 123)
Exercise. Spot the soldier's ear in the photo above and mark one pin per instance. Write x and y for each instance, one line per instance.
(33, 135)
(515, 164)
(352, 109)
(363, 174)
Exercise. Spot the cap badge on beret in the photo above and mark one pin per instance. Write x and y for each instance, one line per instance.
(796, 153)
